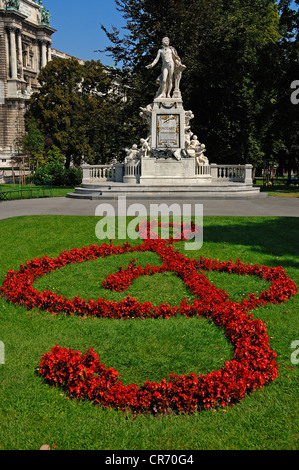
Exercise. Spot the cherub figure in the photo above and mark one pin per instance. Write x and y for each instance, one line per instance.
(132, 153)
(145, 148)
(196, 150)
(188, 116)
(193, 146)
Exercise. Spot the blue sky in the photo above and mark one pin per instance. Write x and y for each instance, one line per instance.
(78, 26)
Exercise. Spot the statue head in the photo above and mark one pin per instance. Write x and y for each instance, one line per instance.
(165, 42)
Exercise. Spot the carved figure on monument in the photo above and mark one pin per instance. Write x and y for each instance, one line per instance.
(166, 152)
(188, 133)
(145, 148)
(193, 147)
(28, 92)
(132, 154)
(146, 113)
(196, 150)
(188, 116)
(172, 69)
(201, 158)
(188, 136)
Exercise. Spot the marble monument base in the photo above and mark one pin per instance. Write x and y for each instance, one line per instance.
(167, 171)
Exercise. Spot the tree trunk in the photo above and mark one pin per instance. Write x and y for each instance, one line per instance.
(67, 161)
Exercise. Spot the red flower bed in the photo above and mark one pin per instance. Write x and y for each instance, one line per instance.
(83, 376)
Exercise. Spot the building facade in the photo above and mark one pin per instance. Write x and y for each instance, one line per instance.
(25, 47)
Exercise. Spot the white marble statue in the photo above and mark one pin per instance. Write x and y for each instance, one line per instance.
(172, 69)
(188, 116)
(132, 153)
(201, 159)
(193, 146)
(145, 149)
(196, 150)
(146, 113)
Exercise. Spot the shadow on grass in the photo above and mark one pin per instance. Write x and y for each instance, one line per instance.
(279, 188)
(277, 237)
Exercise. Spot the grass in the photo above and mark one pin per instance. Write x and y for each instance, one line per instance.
(281, 191)
(56, 191)
(32, 413)
(278, 189)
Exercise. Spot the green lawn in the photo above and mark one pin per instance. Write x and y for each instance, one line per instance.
(32, 413)
(279, 189)
(55, 191)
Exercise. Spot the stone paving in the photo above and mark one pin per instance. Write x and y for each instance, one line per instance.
(255, 207)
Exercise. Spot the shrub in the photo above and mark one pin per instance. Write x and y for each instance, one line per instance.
(56, 173)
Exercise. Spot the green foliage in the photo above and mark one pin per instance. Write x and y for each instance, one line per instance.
(55, 173)
(287, 123)
(33, 144)
(75, 112)
(54, 155)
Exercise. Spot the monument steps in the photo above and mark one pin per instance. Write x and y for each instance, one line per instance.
(112, 190)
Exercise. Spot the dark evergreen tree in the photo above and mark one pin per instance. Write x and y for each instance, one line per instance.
(287, 123)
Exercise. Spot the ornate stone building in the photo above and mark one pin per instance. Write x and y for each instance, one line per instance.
(25, 47)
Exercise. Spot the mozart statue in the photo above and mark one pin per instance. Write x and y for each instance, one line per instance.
(172, 69)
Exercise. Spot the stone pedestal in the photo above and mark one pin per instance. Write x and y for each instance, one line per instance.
(168, 162)
(168, 124)
(168, 171)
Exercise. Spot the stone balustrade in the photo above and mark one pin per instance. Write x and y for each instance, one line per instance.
(202, 170)
(236, 173)
(101, 173)
(131, 172)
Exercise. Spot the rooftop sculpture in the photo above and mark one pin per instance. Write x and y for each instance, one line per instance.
(12, 4)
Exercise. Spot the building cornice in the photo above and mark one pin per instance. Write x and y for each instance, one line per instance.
(19, 16)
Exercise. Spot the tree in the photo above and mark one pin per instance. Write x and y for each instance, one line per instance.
(33, 145)
(287, 125)
(54, 155)
(74, 109)
(228, 47)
